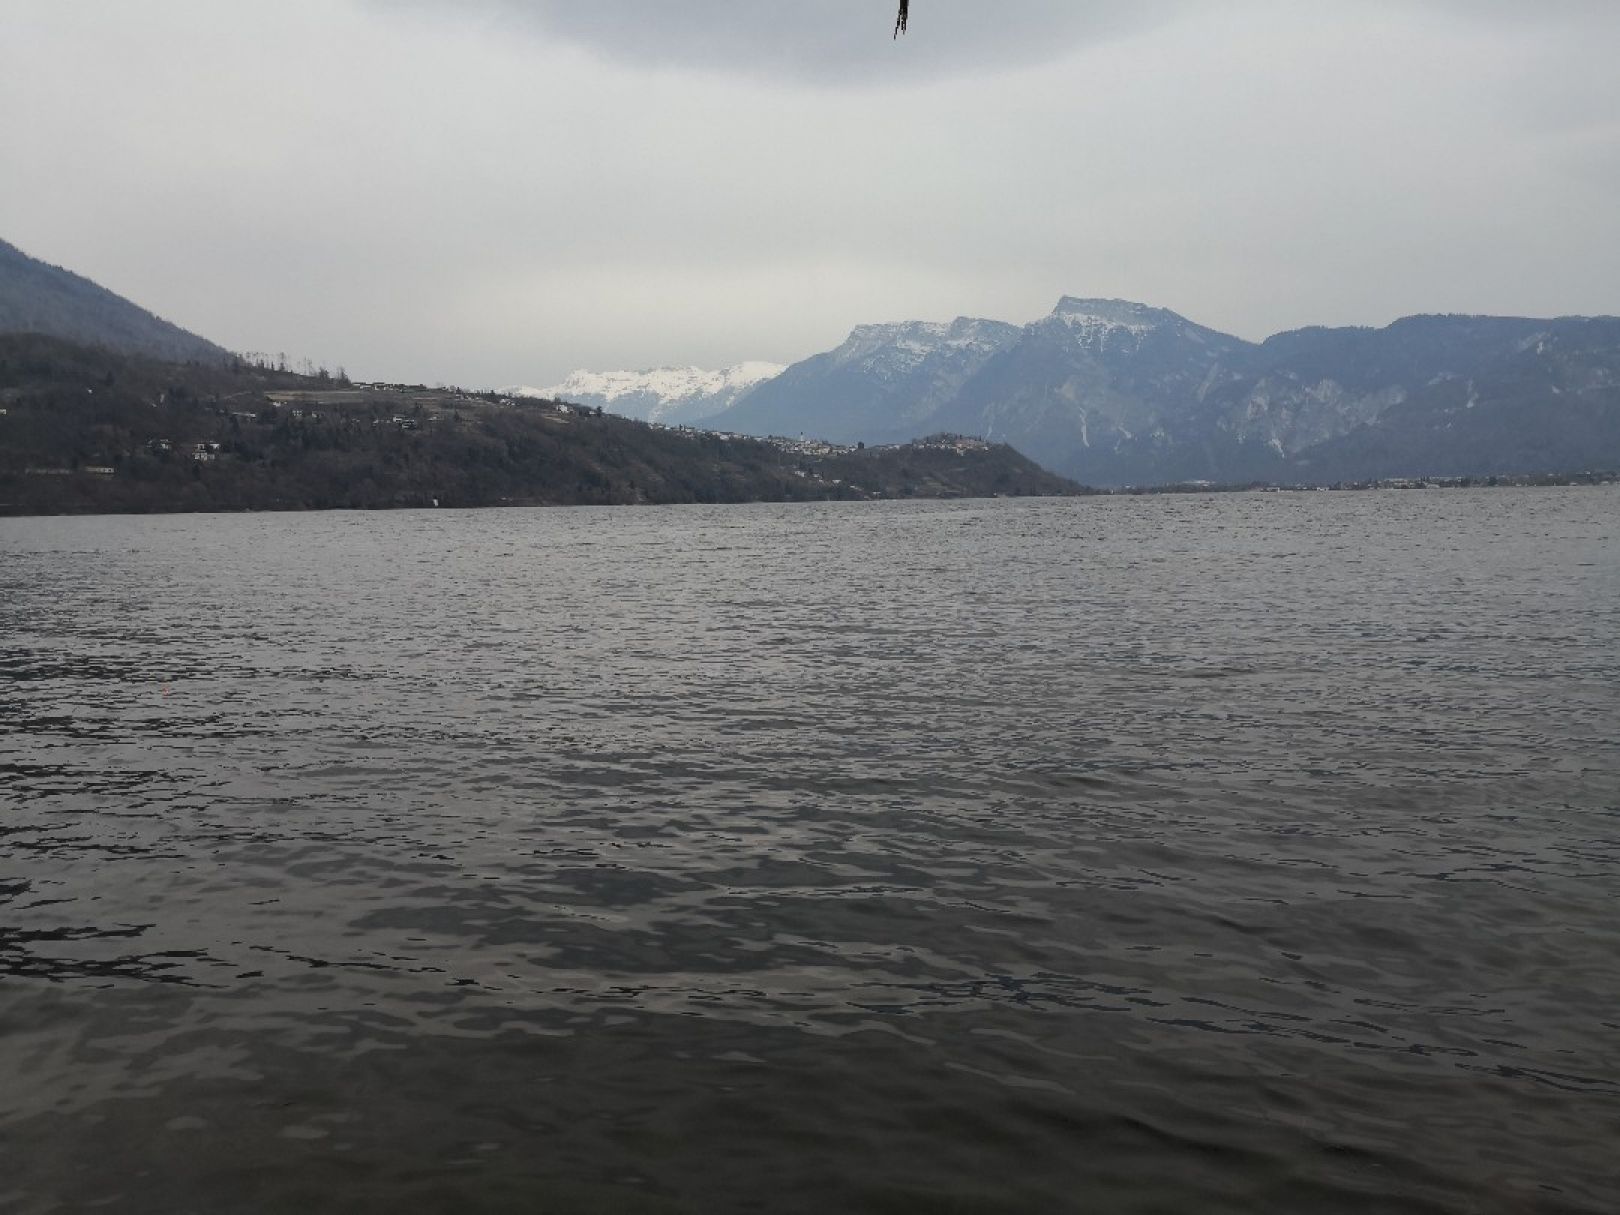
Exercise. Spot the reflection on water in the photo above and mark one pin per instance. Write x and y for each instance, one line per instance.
(1236, 853)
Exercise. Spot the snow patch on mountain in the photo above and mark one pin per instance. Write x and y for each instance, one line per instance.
(1112, 326)
(1126, 315)
(899, 347)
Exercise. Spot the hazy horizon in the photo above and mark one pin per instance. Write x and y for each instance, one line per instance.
(504, 191)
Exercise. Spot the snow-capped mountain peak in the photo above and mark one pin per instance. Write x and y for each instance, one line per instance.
(1110, 316)
(660, 394)
(667, 384)
(901, 345)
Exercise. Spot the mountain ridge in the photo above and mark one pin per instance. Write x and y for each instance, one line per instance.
(37, 297)
(1114, 392)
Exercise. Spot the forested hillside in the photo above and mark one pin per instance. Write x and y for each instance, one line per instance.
(88, 430)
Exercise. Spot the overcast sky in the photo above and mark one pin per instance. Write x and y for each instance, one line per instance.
(490, 192)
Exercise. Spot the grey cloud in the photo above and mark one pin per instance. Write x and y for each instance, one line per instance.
(468, 189)
(1530, 12)
(822, 41)
(845, 42)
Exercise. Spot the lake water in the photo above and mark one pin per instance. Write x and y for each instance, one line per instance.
(1243, 853)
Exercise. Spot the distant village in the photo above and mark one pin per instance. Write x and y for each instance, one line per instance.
(91, 431)
(430, 407)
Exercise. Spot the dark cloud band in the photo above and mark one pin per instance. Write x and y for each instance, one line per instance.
(826, 41)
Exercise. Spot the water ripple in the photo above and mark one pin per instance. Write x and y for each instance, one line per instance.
(1251, 853)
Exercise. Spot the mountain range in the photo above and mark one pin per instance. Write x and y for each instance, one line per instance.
(1109, 393)
(669, 395)
(1115, 393)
